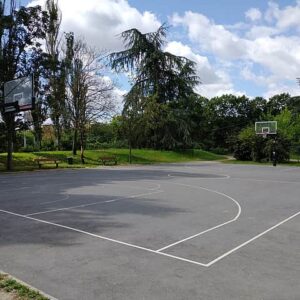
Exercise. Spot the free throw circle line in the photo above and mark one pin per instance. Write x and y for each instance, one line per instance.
(209, 229)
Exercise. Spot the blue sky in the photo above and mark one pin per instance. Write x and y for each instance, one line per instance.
(223, 11)
(240, 46)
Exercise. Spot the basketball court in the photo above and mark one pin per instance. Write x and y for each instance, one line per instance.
(179, 231)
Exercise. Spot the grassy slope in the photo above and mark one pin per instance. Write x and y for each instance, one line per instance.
(24, 161)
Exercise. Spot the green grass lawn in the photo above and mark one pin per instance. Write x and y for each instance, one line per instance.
(24, 161)
(295, 157)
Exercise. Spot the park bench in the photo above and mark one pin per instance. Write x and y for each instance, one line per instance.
(108, 159)
(44, 160)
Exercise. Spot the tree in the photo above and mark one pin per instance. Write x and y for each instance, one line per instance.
(157, 76)
(89, 95)
(37, 65)
(249, 146)
(20, 33)
(194, 108)
(278, 103)
(294, 105)
(56, 69)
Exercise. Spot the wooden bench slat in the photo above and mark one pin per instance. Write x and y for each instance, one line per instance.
(46, 160)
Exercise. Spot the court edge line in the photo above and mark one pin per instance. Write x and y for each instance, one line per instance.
(90, 204)
(209, 229)
(251, 240)
(104, 238)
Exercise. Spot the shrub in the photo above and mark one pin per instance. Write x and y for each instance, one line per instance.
(281, 146)
(250, 146)
(48, 145)
(220, 151)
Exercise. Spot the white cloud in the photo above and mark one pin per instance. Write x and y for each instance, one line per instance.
(218, 89)
(214, 82)
(274, 51)
(280, 55)
(261, 31)
(272, 12)
(100, 22)
(272, 83)
(204, 69)
(275, 89)
(285, 18)
(118, 95)
(253, 14)
(210, 36)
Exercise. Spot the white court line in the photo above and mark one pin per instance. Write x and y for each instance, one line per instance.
(109, 201)
(264, 180)
(212, 228)
(16, 189)
(104, 238)
(251, 240)
(155, 251)
(90, 204)
(224, 176)
(209, 170)
(154, 188)
(61, 200)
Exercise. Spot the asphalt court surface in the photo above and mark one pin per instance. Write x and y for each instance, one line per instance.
(179, 231)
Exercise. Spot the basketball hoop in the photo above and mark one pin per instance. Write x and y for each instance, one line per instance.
(18, 94)
(266, 128)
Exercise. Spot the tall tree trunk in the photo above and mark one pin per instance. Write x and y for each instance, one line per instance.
(82, 147)
(74, 146)
(58, 133)
(10, 138)
(130, 149)
(130, 142)
(38, 138)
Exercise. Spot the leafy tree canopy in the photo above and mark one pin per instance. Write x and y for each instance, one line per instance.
(154, 72)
